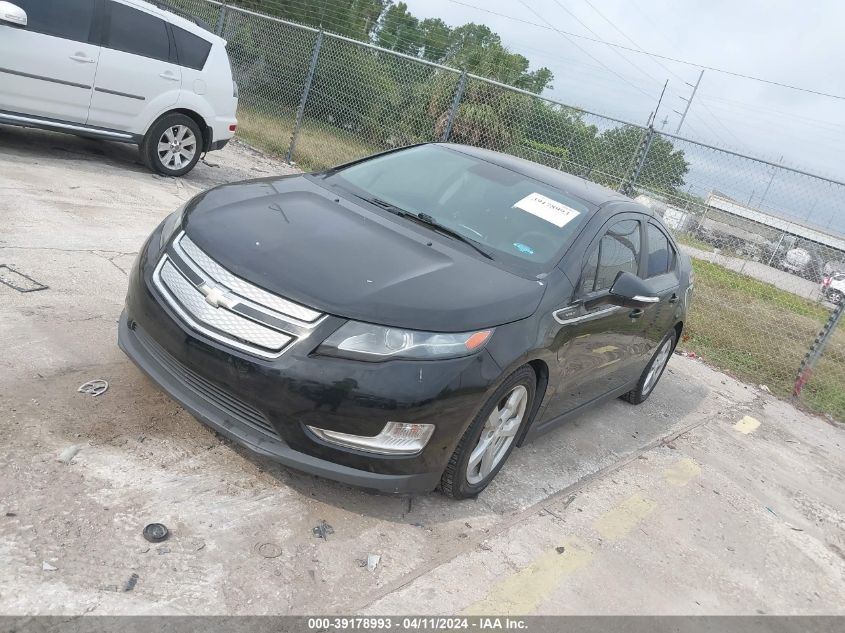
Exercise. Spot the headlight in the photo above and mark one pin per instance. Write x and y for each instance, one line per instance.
(364, 341)
(172, 223)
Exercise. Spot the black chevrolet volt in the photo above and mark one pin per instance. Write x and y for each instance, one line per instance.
(403, 322)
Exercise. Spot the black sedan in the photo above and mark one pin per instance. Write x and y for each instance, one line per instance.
(403, 322)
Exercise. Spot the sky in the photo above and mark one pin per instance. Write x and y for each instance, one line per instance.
(792, 42)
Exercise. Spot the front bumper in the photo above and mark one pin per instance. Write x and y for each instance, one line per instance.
(266, 404)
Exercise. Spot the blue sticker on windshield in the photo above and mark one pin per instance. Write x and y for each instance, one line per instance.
(522, 248)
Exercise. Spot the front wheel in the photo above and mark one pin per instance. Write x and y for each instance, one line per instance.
(489, 440)
(172, 145)
(653, 371)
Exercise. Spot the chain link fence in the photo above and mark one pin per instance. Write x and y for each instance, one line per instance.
(770, 286)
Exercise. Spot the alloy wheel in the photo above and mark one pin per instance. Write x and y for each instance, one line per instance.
(177, 147)
(657, 366)
(497, 435)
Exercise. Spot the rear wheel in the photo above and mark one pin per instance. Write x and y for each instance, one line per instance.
(653, 371)
(489, 440)
(172, 145)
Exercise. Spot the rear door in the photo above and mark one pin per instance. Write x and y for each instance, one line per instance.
(601, 349)
(47, 68)
(138, 74)
(661, 272)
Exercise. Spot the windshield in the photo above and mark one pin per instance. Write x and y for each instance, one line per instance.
(520, 221)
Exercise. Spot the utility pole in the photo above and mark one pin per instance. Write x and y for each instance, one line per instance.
(771, 180)
(653, 115)
(689, 101)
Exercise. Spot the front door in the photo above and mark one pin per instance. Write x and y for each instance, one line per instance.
(137, 75)
(47, 68)
(602, 349)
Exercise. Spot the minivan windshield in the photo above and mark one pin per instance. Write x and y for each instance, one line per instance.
(521, 222)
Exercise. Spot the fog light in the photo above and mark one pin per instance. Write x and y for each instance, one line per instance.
(396, 438)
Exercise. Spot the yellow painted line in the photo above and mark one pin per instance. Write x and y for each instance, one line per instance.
(747, 424)
(605, 349)
(682, 472)
(524, 591)
(616, 523)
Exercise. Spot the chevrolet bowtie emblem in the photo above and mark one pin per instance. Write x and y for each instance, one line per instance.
(217, 297)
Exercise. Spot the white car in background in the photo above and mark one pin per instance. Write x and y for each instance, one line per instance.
(833, 287)
(122, 70)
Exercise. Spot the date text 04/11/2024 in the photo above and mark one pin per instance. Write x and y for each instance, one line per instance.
(416, 623)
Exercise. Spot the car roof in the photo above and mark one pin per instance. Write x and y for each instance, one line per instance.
(584, 189)
(162, 10)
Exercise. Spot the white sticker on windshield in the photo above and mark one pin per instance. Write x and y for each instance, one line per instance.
(549, 210)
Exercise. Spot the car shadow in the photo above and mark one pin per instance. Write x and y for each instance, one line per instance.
(37, 143)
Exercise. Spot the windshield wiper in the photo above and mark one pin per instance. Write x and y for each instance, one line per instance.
(427, 220)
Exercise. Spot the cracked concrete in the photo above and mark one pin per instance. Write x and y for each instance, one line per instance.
(661, 508)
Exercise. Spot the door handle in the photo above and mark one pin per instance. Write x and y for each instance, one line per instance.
(82, 58)
(636, 313)
(673, 299)
(169, 76)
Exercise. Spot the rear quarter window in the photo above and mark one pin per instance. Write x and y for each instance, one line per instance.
(191, 49)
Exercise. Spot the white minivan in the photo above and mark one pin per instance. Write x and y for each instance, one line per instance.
(123, 70)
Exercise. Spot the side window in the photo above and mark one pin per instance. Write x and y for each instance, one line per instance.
(618, 250)
(69, 19)
(191, 49)
(661, 255)
(133, 31)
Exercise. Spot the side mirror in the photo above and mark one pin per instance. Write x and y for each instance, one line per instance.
(12, 14)
(627, 291)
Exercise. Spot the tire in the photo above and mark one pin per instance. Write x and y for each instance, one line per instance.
(836, 297)
(458, 481)
(177, 131)
(653, 371)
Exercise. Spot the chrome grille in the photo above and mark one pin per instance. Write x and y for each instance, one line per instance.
(213, 301)
(244, 288)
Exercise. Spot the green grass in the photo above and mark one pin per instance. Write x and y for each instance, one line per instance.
(761, 333)
(690, 240)
(318, 145)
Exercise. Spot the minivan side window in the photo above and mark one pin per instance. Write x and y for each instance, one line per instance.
(618, 250)
(136, 32)
(191, 49)
(68, 19)
(661, 255)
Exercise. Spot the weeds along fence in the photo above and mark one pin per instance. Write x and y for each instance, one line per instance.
(761, 310)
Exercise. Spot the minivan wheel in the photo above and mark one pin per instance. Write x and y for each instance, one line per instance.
(489, 440)
(172, 145)
(653, 371)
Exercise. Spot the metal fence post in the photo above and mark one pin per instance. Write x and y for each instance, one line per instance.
(456, 103)
(816, 349)
(300, 111)
(638, 162)
(221, 20)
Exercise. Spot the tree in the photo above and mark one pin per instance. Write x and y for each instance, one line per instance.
(399, 30)
(664, 168)
(434, 38)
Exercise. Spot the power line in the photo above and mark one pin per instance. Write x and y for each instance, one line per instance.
(651, 54)
(582, 23)
(670, 71)
(583, 50)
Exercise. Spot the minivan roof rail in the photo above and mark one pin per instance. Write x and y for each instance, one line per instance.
(182, 13)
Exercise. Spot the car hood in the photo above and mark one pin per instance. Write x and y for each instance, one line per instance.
(299, 240)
